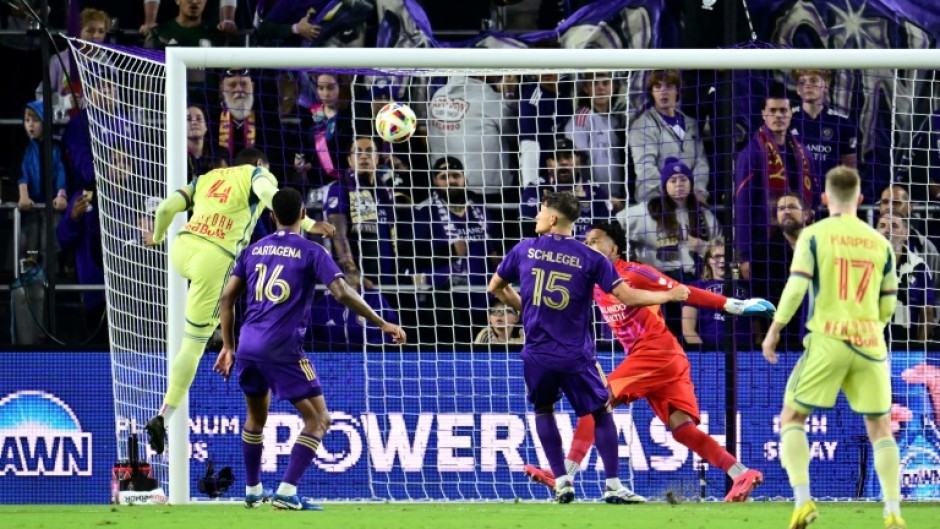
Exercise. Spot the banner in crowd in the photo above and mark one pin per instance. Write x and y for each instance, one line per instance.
(57, 431)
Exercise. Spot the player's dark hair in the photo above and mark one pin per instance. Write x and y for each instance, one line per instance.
(250, 156)
(565, 203)
(615, 231)
(287, 205)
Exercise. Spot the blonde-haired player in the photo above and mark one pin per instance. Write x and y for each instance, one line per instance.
(850, 271)
(226, 204)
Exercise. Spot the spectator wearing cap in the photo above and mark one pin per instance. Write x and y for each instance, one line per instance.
(361, 208)
(452, 246)
(672, 229)
(544, 109)
(774, 162)
(663, 131)
(468, 119)
(598, 130)
(503, 326)
(563, 173)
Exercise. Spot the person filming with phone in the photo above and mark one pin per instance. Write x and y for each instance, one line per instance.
(80, 231)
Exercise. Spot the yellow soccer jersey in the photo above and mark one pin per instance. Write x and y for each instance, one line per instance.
(850, 267)
(225, 209)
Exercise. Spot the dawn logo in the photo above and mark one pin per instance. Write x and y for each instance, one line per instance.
(41, 436)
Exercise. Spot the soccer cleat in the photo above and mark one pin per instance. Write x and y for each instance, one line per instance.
(565, 493)
(744, 485)
(894, 521)
(622, 495)
(536, 474)
(253, 501)
(294, 503)
(804, 516)
(156, 434)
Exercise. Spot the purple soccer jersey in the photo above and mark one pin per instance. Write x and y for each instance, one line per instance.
(557, 276)
(281, 272)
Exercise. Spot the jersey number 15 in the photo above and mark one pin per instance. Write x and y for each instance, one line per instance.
(553, 284)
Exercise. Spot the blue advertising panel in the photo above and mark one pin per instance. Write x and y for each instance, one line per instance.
(445, 425)
(56, 427)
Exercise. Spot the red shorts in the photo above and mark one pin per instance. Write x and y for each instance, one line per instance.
(661, 378)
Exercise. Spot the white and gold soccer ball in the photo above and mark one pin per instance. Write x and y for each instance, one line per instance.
(395, 122)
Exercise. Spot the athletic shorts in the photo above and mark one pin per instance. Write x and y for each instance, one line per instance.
(585, 388)
(662, 378)
(207, 267)
(291, 382)
(829, 365)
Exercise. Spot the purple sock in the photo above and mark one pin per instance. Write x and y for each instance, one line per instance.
(301, 455)
(547, 429)
(252, 445)
(605, 439)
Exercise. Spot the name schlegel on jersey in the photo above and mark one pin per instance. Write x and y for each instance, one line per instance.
(280, 251)
(552, 257)
(41, 436)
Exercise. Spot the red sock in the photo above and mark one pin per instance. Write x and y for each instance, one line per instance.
(583, 439)
(702, 444)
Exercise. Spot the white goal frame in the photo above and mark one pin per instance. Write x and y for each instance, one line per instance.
(178, 60)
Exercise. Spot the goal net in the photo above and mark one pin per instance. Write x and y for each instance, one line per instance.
(708, 172)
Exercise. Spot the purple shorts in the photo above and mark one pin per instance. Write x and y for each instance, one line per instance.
(293, 382)
(585, 388)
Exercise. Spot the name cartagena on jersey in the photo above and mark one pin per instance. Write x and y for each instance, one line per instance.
(638, 327)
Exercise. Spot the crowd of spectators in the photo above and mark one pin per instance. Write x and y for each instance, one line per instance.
(421, 225)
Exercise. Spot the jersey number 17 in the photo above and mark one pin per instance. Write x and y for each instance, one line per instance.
(867, 268)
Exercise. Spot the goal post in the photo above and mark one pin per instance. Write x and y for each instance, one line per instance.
(392, 411)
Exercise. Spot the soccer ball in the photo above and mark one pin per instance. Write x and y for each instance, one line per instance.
(396, 122)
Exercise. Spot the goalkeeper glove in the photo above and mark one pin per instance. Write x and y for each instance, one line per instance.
(750, 307)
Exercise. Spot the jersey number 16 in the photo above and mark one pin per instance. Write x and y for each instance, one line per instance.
(266, 289)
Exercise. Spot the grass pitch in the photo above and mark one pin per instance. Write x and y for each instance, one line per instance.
(460, 516)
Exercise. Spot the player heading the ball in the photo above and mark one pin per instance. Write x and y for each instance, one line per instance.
(281, 272)
(850, 268)
(226, 204)
(557, 275)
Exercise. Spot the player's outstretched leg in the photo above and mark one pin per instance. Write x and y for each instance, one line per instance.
(316, 423)
(686, 432)
(252, 447)
(580, 444)
(887, 465)
(547, 430)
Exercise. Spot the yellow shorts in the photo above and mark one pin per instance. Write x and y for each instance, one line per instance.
(207, 267)
(829, 365)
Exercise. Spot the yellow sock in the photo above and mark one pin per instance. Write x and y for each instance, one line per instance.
(183, 370)
(794, 454)
(888, 467)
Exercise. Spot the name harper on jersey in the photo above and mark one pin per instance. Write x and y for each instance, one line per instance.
(552, 257)
(280, 251)
(844, 240)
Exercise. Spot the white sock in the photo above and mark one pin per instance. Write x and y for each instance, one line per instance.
(801, 492)
(892, 507)
(254, 490)
(286, 489)
(167, 411)
(562, 481)
(572, 467)
(736, 470)
(614, 484)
